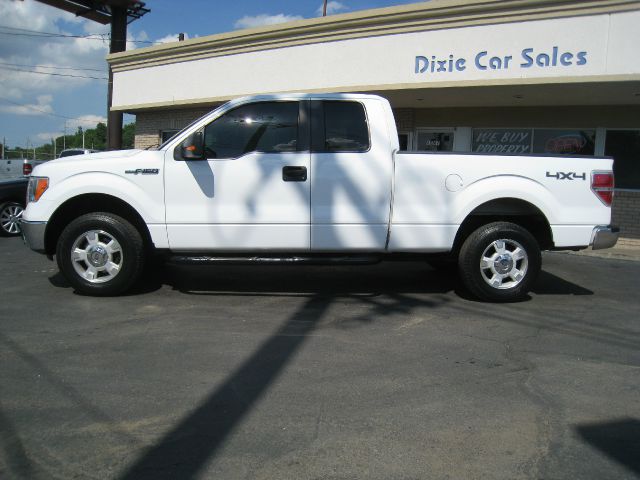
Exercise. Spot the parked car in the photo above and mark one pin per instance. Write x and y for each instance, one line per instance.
(69, 152)
(294, 178)
(16, 168)
(12, 199)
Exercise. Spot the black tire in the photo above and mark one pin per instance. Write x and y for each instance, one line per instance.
(92, 236)
(514, 266)
(10, 214)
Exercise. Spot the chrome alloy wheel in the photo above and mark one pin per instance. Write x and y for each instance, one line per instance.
(10, 218)
(96, 256)
(504, 264)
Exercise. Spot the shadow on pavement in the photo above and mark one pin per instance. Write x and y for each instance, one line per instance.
(15, 455)
(193, 442)
(550, 284)
(385, 277)
(618, 439)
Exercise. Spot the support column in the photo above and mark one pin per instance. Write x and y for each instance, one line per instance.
(118, 44)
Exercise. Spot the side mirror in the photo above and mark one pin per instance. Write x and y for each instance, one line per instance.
(191, 148)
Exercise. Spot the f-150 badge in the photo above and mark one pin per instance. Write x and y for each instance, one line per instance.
(567, 176)
(143, 171)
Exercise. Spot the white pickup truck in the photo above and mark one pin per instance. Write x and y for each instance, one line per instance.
(313, 178)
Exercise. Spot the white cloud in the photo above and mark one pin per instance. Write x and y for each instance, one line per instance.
(26, 50)
(332, 7)
(87, 121)
(264, 19)
(47, 136)
(173, 37)
(38, 95)
(42, 107)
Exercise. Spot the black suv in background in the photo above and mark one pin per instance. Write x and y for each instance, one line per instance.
(13, 195)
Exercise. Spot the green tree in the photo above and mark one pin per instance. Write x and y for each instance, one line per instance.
(101, 136)
(128, 135)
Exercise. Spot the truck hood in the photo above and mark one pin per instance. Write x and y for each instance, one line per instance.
(96, 156)
(113, 161)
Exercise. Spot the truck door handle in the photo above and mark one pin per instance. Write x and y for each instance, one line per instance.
(294, 174)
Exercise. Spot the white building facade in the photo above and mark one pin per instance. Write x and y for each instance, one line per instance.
(512, 76)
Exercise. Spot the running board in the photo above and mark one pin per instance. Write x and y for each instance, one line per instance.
(274, 260)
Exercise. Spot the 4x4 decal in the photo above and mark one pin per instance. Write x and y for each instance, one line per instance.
(567, 176)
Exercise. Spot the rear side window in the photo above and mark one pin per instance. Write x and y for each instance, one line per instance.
(345, 125)
(258, 127)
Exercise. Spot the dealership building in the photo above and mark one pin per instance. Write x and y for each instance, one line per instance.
(507, 76)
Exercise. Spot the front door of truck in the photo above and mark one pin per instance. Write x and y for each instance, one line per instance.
(351, 173)
(252, 191)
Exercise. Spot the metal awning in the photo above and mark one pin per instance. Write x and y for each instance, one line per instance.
(99, 10)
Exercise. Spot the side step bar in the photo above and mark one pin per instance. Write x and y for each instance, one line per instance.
(274, 260)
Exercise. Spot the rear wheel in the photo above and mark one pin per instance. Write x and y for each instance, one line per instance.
(10, 215)
(499, 262)
(100, 254)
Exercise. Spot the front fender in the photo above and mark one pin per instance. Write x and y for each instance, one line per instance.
(143, 193)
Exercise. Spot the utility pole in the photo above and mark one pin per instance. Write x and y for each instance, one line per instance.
(4, 141)
(64, 136)
(53, 140)
(324, 9)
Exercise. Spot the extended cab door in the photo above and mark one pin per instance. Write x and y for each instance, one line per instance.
(252, 191)
(351, 174)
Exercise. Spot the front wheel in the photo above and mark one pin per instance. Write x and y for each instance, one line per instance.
(10, 215)
(499, 262)
(100, 254)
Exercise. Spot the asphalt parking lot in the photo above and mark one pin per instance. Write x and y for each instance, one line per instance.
(381, 372)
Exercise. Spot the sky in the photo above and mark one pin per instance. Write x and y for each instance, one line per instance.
(52, 83)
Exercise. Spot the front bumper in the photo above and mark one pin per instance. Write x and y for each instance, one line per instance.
(604, 237)
(33, 234)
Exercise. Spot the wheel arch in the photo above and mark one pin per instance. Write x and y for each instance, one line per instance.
(507, 209)
(88, 203)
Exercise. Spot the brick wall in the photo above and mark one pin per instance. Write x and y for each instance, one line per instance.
(150, 124)
(626, 215)
(404, 119)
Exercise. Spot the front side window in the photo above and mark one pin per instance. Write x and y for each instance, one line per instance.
(346, 127)
(259, 127)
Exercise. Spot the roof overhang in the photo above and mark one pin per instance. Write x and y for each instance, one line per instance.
(99, 10)
(416, 17)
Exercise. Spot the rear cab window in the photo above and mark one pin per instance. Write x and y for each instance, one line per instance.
(339, 126)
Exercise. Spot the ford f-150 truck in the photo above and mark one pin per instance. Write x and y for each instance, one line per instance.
(313, 177)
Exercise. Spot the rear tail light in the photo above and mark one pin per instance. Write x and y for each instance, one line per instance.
(27, 168)
(602, 185)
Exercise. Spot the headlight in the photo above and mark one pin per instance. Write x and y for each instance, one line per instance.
(36, 187)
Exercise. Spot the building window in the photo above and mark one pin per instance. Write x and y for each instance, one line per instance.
(564, 142)
(166, 135)
(518, 141)
(514, 141)
(624, 147)
(435, 140)
(405, 141)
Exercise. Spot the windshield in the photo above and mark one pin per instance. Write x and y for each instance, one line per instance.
(69, 153)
